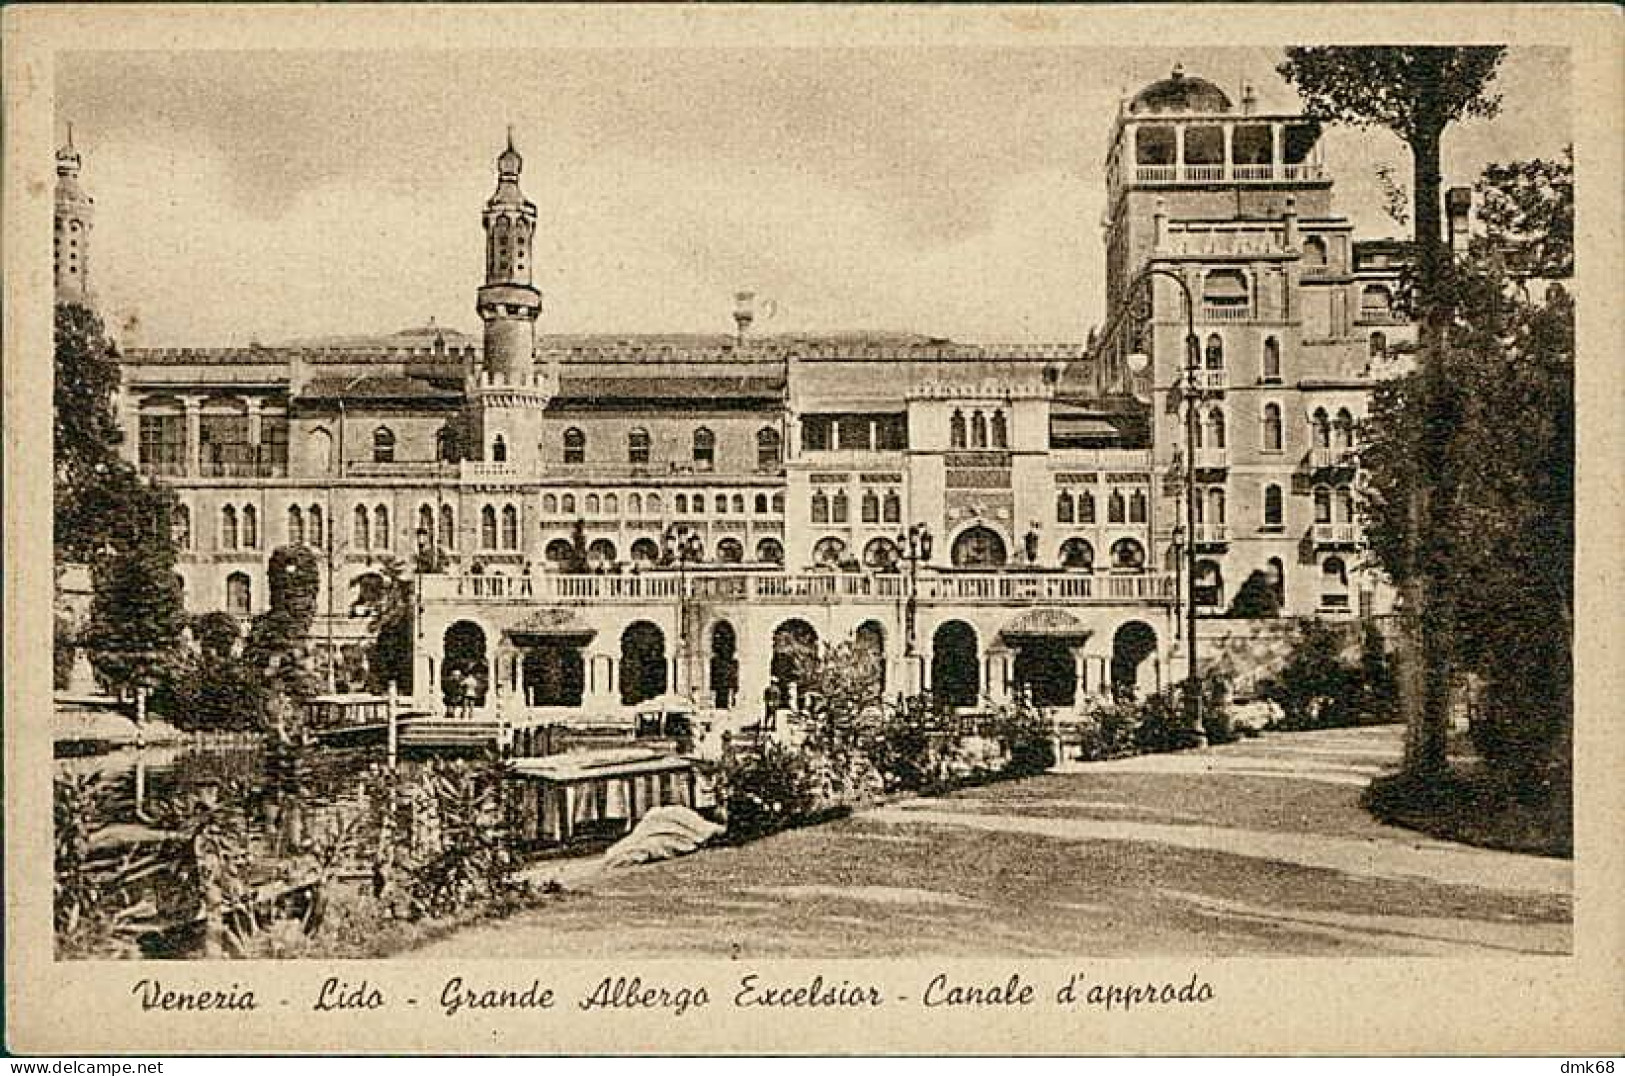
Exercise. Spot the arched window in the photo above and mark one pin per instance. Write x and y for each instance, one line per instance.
(1077, 555)
(880, 554)
(1064, 511)
(730, 551)
(239, 594)
(426, 531)
(1225, 290)
(499, 450)
(1272, 433)
(446, 448)
(696, 505)
(978, 430)
(721, 505)
(652, 504)
(769, 551)
(1334, 584)
(956, 430)
(1320, 429)
(448, 528)
(380, 527)
(891, 510)
(705, 449)
(361, 528)
(1345, 505)
(320, 447)
(645, 551)
(829, 551)
(612, 505)
(251, 527)
(601, 551)
(1379, 345)
(1137, 506)
(778, 504)
(1207, 584)
(739, 504)
(1128, 555)
(837, 507)
(1314, 252)
(1000, 432)
(228, 528)
(1272, 359)
(510, 527)
(1272, 506)
(634, 504)
(316, 528)
(761, 504)
(680, 503)
(1343, 428)
(637, 446)
(1086, 506)
(869, 507)
(1116, 507)
(769, 449)
(296, 525)
(1215, 506)
(550, 504)
(820, 507)
(575, 446)
(1215, 352)
(488, 527)
(1215, 428)
(567, 504)
(383, 445)
(592, 504)
(1323, 504)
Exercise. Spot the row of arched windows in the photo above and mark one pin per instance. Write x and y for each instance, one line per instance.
(979, 431)
(1080, 507)
(873, 507)
(703, 447)
(652, 504)
(440, 529)
(1328, 432)
(499, 529)
(305, 526)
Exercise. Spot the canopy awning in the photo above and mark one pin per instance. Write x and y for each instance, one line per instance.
(552, 626)
(1045, 624)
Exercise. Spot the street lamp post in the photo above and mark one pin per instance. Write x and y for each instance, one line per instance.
(1191, 391)
(913, 546)
(684, 546)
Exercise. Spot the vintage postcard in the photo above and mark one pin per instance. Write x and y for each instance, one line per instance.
(674, 529)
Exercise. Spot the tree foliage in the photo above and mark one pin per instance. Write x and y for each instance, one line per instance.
(390, 652)
(278, 645)
(1526, 209)
(1494, 451)
(136, 618)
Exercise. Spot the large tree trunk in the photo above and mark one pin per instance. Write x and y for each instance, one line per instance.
(1425, 669)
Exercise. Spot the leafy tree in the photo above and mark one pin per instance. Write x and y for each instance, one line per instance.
(1501, 552)
(1256, 598)
(85, 429)
(1526, 209)
(136, 619)
(1417, 92)
(278, 644)
(390, 653)
(217, 634)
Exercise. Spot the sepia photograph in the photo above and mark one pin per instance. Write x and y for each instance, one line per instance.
(659, 503)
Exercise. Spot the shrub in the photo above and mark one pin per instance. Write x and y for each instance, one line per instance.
(1026, 737)
(767, 790)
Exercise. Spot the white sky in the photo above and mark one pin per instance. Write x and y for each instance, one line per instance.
(949, 190)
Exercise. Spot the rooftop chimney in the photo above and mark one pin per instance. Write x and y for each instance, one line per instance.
(1249, 99)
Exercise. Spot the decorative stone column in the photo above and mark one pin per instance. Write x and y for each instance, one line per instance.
(194, 436)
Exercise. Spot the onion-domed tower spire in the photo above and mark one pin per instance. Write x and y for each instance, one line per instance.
(508, 395)
(73, 220)
(508, 303)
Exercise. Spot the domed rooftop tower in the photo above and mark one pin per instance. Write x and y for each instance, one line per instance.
(1180, 92)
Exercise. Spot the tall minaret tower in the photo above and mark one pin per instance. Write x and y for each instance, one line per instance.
(508, 394)
(73, 220)
(508, 303)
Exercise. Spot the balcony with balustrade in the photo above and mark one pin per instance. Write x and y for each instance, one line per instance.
(1335, 535)
(1212, 459)
(1211, 536)
(778, 587)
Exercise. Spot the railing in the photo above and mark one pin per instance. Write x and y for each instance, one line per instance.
(1238, 173)
(1212, 380)
(1336, 534)
(768, 586)
(1210, 534)
(242, 469)
(383, 468)
(1225, 313)
(482, 469)
(1330, 459)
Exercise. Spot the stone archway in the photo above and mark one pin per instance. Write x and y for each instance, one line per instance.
(724, 664)
(1047, 643)
(462, 656)
(979, 546)
(1132, 644)
(643, 662)
(795, 649)
(955, 666)
(553, 668)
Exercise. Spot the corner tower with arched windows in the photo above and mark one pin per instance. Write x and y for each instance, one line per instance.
(72, 228)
